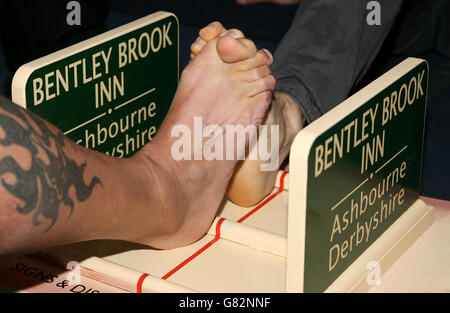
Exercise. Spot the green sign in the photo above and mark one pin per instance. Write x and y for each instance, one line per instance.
(111, 92)
(363, 171)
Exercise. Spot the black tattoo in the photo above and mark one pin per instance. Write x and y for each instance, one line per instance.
(43, 187)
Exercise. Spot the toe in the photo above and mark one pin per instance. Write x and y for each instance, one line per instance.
(233, 32)
(256, 73)
(261, 58)
(212, 31)
(264, 84)
(233, 50)
(197, 46)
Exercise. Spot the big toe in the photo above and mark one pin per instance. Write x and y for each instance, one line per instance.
(233, 50)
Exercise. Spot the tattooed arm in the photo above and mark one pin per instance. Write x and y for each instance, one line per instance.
(53, 191)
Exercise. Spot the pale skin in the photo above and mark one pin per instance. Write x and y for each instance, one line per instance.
(55, 192)
(249, 185)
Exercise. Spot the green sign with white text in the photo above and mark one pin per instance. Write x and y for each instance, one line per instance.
(363, 173)
(109, 93)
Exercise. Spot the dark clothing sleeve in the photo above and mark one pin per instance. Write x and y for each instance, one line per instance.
(327, 50)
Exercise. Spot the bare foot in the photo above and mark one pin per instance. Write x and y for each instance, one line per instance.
(249, 185)
(228, 83)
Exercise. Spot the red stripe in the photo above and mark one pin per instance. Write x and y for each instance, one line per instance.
(140, 281)
(280, 190)
(217, 236)
(189, 259)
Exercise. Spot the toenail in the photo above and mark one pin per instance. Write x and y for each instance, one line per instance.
(267, 53)
(197, 42)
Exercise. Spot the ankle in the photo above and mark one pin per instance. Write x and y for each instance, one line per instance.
(160, 187)
(292, 116)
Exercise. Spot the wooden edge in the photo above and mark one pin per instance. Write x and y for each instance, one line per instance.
(124, 277)
(386, 249)
(296, 232)
(127, 278)
(251, 237)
